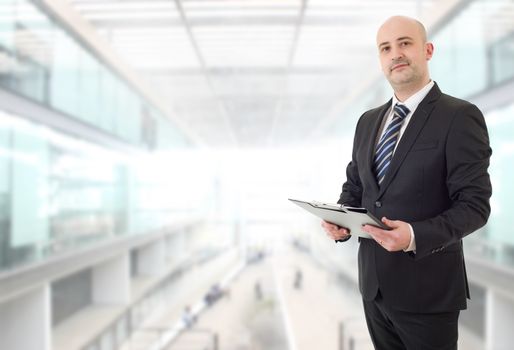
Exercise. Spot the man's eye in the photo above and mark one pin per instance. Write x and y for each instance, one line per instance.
(404, 43)
(385, 49)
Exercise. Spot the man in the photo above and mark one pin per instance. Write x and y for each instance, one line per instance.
(420, 163)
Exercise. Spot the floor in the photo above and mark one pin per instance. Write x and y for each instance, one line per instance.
(285, 301)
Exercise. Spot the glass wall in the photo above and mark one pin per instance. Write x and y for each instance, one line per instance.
(501, 128)
(5, 185)
(474, 52)
(42, 61)
(58, 192)
(502, 58)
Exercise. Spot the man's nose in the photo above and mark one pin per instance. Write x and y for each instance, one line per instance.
(397, 53)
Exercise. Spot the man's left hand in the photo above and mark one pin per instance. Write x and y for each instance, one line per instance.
(396, 239)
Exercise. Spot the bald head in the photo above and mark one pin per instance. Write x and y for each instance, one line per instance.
(405, 22)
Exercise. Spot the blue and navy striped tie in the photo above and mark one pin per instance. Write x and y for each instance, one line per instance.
(385, 147)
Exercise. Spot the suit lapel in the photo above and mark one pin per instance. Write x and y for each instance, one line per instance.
(410, 135)
(370, 150)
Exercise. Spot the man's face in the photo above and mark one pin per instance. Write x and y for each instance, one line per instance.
(403, 53)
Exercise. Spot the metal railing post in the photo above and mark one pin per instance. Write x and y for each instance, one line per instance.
(351, 344)
(215, 341)
(341, 335)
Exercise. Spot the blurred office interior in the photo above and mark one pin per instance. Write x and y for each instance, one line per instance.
(148, 149)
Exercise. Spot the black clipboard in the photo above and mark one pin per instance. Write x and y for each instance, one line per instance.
(349, 217)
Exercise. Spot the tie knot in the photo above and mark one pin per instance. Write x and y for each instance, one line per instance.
(401, 110)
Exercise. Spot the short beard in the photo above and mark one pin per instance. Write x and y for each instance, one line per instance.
(404, 81)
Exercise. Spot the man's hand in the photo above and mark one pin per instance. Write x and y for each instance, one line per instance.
(393, 240)
(335, 232)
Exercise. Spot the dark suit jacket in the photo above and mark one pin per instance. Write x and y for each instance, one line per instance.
(438, 182)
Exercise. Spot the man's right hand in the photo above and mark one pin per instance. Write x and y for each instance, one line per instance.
(335, 232)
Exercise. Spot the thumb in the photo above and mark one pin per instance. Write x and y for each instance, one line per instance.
(390, 223)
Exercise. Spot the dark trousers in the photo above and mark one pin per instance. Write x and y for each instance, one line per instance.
(398, 330)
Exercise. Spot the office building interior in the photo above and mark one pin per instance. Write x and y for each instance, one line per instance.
(148, 149)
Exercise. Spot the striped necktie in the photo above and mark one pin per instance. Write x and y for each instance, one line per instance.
(387, 143)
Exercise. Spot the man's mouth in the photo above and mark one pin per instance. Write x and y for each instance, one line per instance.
(399, 65)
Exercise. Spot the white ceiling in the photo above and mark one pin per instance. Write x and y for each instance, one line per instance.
(249, 73)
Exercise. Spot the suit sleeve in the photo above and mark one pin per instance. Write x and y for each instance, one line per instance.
(469, 187)
(351, 194)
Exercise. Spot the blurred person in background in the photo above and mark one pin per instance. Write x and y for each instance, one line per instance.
(257, 289)
(420, 163)
(298, 279)
(187, 317)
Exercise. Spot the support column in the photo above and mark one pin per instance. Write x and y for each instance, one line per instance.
(111, 281)
(25, 321)
(151, 259)
(499, 321)
(176, 249)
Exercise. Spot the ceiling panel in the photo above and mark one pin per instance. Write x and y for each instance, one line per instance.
(249, 73)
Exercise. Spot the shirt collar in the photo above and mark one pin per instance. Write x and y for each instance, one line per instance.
(413, 101)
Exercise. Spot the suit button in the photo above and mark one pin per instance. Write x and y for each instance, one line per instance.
(378, 204)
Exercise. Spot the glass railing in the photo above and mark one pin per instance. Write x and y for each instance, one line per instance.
(42, 61)
(502, 59)
(58, 192)
(474, 52)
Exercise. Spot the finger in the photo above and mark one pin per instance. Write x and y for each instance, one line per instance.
(390, 223)
(344, 231)
(338, 229)
(336, 236)
(380, 240)
(375, 237)
(341, 237)
(327, 228)
(373, 230)
(328, 225)
(378, 235)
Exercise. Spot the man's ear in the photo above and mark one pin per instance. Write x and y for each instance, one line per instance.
(429, 50)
